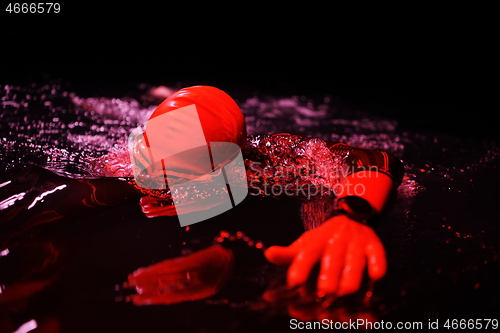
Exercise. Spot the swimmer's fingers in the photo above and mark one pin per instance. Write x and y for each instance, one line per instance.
(331, 264)
(353, 268)
(304, 261)
(284, 255)
(345, 258)
(153, 207)
(375, 253)
(281, 255)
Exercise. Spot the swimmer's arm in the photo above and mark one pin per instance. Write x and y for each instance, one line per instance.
(63, 198)
(342, 246)
(372, 175)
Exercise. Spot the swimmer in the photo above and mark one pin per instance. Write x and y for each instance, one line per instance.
(343, 245)
(346, 242)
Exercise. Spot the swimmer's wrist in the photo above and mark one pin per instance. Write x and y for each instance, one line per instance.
(355, 208)
(373, 186)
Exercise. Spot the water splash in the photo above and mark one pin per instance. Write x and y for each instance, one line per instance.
(51, 127)
(78, 137)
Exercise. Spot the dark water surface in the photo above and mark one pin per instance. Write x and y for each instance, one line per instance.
(441, 235)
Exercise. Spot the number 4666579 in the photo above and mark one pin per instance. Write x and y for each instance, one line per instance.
(34, 7)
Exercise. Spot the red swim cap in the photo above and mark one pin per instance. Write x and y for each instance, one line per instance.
(220, 116)
(193, 140)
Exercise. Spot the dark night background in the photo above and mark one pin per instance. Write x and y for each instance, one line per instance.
(428, 66)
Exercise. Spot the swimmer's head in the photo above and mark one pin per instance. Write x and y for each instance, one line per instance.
(181, 128)
(220, 116)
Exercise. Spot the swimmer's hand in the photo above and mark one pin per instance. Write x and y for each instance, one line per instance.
(154, 207)
(191, 277)
(342, 246)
